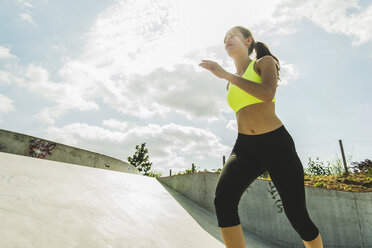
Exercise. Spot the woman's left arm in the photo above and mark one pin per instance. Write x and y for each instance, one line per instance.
(265, 90)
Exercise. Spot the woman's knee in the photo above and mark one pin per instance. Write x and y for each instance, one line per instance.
(301, 222)
(226, 211)
(308, 233)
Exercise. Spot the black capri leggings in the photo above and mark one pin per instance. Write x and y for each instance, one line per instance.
(251, 156)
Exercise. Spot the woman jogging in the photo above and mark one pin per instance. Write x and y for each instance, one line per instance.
(263, 143)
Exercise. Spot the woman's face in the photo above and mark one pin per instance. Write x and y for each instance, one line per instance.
(235, 42)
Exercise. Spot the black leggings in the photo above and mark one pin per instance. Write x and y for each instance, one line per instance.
(251, 156)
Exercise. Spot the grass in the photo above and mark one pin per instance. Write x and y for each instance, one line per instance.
(356, 182)
(353, 182)
(331, 176)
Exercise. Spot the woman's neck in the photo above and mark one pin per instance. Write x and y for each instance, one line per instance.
(241, 63)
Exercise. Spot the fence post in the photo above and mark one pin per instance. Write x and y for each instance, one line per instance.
(223, 161)
(343, 156)
(192, 168)
(170, 172)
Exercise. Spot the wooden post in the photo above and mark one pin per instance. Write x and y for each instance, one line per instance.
(193, 168)
(223, 161)
(343, 156)
(170, 172)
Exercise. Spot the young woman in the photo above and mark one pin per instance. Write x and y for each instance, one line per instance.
(263, 143)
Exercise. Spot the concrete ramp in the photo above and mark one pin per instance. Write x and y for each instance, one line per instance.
(45, 203)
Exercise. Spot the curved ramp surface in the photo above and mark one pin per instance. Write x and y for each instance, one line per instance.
(45, 203)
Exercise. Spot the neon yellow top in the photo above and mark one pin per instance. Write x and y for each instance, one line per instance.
(238, 98)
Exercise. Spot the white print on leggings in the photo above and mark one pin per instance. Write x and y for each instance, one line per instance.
(275, 195)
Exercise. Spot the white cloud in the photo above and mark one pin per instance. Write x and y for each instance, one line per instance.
(59, 47)
(68, 96)
(27, 17)
(26, 7)
(49, 114)
(5, 53)
(137, 60)
(115, 124)
(232, 125)
(10, 77)
(331, 15)
(23, 3)
(168, 145)
(5, 77)
(6, 104)
(288, 72)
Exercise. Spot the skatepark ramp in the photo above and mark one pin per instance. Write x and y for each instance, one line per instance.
(46, 203)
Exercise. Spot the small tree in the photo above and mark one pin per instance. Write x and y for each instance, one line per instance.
(140, 159)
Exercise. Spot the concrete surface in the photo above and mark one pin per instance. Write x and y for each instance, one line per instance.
(21, 144)
(343, 218)
(46, 203)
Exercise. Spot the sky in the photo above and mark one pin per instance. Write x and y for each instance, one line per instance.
(108, 75)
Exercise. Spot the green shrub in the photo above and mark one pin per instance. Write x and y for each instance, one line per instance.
(319, 184)
(363, 167)
(337, 167)
(317, 168)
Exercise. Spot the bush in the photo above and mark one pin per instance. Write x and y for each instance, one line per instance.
(153, 174)
(362, 167)
(319, 184)
(337, 167)
(316, 168)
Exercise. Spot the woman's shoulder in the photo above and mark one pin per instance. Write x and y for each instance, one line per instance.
(264, 60)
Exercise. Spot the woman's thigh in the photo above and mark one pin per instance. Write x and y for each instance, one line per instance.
(287, 173)
(237, 174)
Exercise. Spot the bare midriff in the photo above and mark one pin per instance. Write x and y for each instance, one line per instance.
(257, 118)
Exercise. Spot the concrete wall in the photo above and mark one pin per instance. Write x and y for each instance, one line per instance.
(343, 218)
(16, 143)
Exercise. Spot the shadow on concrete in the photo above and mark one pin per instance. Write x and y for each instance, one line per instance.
(208, 221)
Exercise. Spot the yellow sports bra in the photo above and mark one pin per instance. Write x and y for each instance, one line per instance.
(238, 98)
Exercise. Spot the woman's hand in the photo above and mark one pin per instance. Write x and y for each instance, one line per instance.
(214, 67)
